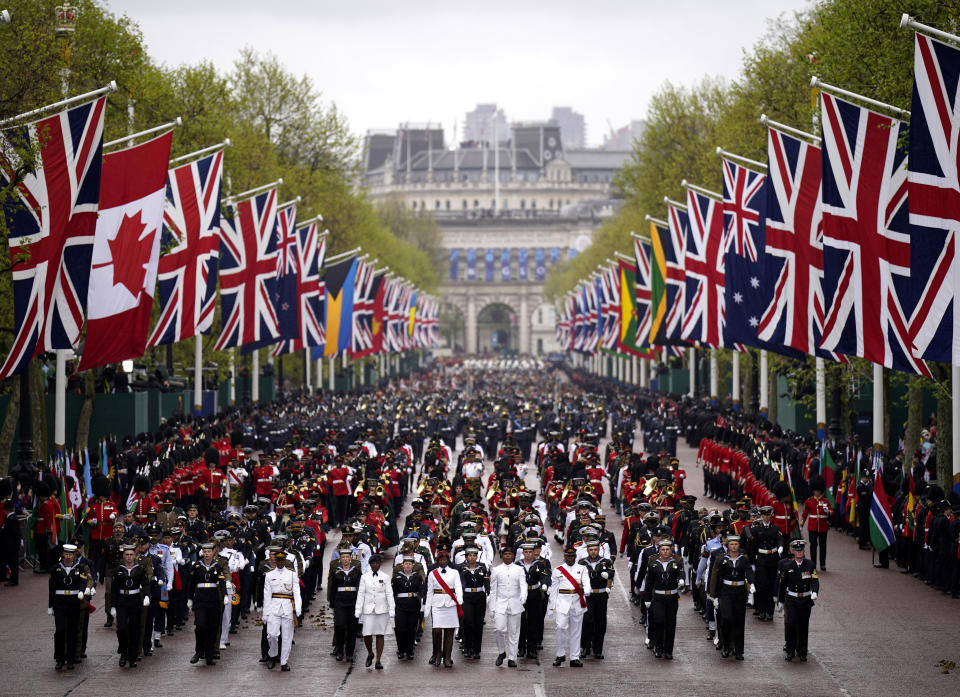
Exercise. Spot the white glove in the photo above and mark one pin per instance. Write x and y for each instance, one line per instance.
(90, 592)
(753, 589)
(229, 588)
(113, 612)
(392, 614)
(112, 516)
(604, 574)
(681, 584)
(357, 615)
(226, 600)
(779, 607)
(49, 610)
(146, 601)
(189, 604)
(814, 595)
(92, 521)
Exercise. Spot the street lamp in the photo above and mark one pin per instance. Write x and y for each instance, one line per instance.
(66, 20)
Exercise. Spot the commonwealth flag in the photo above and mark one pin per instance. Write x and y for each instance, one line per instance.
(339, 280)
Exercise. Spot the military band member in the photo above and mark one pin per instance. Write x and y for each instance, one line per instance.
(69, 586)
(569, 586)
(281, 606)
(662, 588)
(797, 589)
(508, 593)
(129, 591)
(538, 573)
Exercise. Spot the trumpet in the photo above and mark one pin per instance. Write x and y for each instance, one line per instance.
(379, 490)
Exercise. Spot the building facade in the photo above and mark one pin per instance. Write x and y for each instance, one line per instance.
(507, 214)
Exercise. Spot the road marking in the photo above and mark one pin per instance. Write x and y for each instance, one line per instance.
(538, 689)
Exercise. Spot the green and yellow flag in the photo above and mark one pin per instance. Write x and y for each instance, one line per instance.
(629, 319)
(658, 284)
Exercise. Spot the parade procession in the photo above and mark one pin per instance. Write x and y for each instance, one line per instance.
(494, 407)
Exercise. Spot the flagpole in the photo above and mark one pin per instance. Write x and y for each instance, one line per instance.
(109, 87)
(736, 379)
(291, 202)
(878, 435)
(307, 382)
(255, 376)
(907, 22)
(199, 153)
(340, 256)
(198, 375)
(817, 83)
(741, 160)
(700, 190)
(714, 377)
(253, 192)
(764, 387)
(955, 426)
(821, 399)
(333, 370)
(693, 372)
(150, 131)
(233, 378)
(789, 130)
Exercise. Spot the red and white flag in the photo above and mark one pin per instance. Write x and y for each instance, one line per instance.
(126, 251)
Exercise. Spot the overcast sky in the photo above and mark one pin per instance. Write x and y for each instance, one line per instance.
(385, 63)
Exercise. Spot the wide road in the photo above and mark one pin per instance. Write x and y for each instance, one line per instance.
(873, 632)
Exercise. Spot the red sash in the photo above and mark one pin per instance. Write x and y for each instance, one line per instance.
(449, 592)
(576, 586)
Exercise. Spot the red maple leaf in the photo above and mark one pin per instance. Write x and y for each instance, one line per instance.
(131, 254)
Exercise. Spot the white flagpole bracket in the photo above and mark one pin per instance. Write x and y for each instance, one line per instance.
(650, 219)
(789, 130)
(200, 153)
(170, 125)
(741, 160)
(700, 190)
(840, 92)
(253, 192)
(676, 204)
(907, 22)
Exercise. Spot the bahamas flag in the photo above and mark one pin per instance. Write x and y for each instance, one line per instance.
(412, 321)
(339, 280)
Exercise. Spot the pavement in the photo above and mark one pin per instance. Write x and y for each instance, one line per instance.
(872, 632)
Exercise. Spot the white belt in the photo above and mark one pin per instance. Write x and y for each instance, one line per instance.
(600, 590)
(263, 480)
(669, 592)
(816, 516)
(533, 587)
(132, 591)
(69, 592)
(206, 585)
(347, 588)
(734, 583)
(767, 551)
(338, 481)
(797, 595)
(407, 595)
(473, 590)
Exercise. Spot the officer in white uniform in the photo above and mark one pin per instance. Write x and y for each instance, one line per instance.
(281, 604)
(508, 593)
(569, 587)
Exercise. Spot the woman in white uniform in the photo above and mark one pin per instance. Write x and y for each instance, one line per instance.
(375, 608)
(444, 598)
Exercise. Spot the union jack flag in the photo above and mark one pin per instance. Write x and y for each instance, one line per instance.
(563, 323)
(248, 273)
(673, 244)
(362, 337)
(609, 282)
(866, 237)
(51, 220)
(934, 200)
(793, 263)
(391, 300)
(643, 292)
(578, 323)
(592, 317)
(187, 272)
(311, 251)
(287, 287)
(703, 264)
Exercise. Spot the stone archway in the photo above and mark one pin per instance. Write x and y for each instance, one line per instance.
(497, 329)
(472, 297)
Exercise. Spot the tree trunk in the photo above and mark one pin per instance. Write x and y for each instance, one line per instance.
(86, 411)
(9, 429)
(38, 412)
(944, 426)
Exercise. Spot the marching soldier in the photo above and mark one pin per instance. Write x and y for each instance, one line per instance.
(475, 579)
(797, 589)
(408, 587)
(816, 513)
(129, 594)
(767, 542)
(342, 585)
(508, 593)
(69, 586)
(538, 573)
(662, 588)
(281, 605)
(731, 580)
(601, 573)
(207, 597)
(569, 587)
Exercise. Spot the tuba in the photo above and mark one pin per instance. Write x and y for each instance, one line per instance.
(650, 486)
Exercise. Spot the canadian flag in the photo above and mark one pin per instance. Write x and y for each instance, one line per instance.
(126, 251)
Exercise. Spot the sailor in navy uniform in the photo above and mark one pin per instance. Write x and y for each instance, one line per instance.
(797, 589)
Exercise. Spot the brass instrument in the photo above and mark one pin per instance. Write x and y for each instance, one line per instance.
(421, 486)
(587, 489)
(670, 490)
(513, 491)
(650, 486)
(291, 489)
(379, 491)
(360, 487)
(493, 489)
